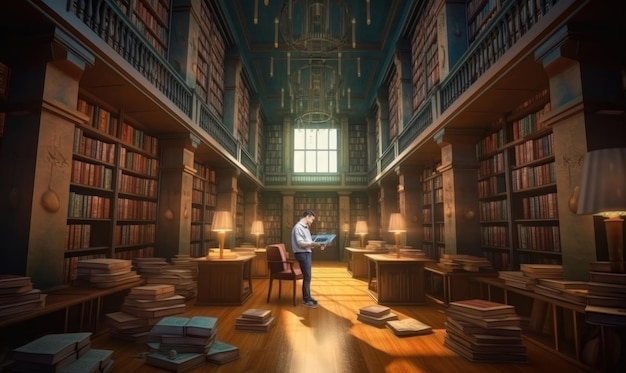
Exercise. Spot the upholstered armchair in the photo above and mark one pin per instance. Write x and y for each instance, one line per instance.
(281, 268)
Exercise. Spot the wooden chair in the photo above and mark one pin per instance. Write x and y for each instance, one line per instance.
(281, 268)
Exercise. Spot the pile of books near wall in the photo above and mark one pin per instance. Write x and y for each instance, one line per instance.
(17, 295)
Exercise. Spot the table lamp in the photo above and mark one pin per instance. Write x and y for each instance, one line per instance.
(361, 230)
(396, 226)
(603, 192)
(222, 223)
(257, 230)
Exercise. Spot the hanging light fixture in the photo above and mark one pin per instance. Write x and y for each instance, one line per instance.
(314, 91)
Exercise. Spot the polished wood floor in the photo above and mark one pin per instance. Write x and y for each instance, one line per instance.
(330, 339)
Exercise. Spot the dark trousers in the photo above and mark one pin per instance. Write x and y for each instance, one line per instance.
(304, 259)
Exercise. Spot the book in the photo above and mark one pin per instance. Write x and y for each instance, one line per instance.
(486, 322)
(155, 290)
(152, 303)
(484, 357)
(483, 338)
(379, 321)
(503, 348)
(482, 308)
(123, 320)
(94, 360)
(256, 314)
(603, 301)
(467, 328)
(180, 362)
(52, 348)
(154, 312)
(605, 316)
(16, 290)
(171, 325)
(222, 352)
(606, 289)
(14, 281)
(20, 297)
(187, 339)
(105, 263)
(610, 277)
(562, 284)
(375, 310)
(256, 327)
(408, 326)
(201, 326)
(23, 306)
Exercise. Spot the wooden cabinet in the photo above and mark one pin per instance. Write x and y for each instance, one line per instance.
(224, 281)
(517, 189)
(396, 281)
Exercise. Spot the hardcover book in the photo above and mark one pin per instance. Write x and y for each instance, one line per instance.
(52, 348)
(179, 363)
(467, 328)
(94, 360)
(20, 297)
(499, 348)
(154, 312)
(375, 310)
(485, 322)
(106, 263)
(482, 308)
(14, 281)
(256, 314)
(152, 291)
(380, 321)
(222, 352)
(152, 303)
(172, 325)
(483, 356)
(123, 320)
(201, 326)
(408, 326)
(256, 327)
(23, 306)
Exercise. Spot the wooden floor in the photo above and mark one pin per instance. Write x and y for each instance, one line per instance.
(330, 339)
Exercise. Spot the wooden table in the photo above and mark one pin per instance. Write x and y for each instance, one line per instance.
(259, 262)
(224, 281)
(358, 263)
(396, 281)
(444, 285)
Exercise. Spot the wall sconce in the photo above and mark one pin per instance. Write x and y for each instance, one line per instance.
(396, 226)
(257, 230)
(361, 230)
(603, 192)
(222, 223)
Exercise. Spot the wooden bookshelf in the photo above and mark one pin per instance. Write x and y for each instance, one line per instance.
(358, 211)
(151, 18)
(517, 189)
(326, 207)
(271, 210)
(393, 87)
(203, 204)
(243, 112)
(479, 13)
(433, 243)
(425, 71)
(274, 148)
(239, 219)
(357, 146)
(112, 203)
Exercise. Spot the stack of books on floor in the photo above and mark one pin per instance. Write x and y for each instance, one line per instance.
(182, 261)
(62, 353)
(149, 266)
(179, 344)
(104, 273)
(468, 263)
(142, 308)
(376, 314)
(408, 327)
(222, 353)
(606, 297)
(255, 320)
(17, 295)
(565, 290)
(183, 280)
(484, 331)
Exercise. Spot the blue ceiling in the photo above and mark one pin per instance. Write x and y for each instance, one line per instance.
(374, 45)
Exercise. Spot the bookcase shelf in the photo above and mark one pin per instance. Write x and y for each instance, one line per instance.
(517, 189)
(326, 207)
(203, 204)
(112, 203)
(433, 243)
(271, 211)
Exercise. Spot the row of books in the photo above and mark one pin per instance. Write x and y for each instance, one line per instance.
(382, 316)
(17, 295)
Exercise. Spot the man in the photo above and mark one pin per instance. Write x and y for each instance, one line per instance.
(302, 245)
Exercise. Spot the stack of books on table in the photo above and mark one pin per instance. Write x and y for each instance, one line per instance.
(376, 314)
(222, 353)
(468, 263)
(408, 326)
(537, 271)
(484, 331)
(104, 273)
(606, 296)
(17, 295)
(67, 353)
(180, 344)
(255, 320)
(565, 290)
(143, 307)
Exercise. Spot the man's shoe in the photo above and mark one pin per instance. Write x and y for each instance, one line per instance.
(310, 304)
(313, 300)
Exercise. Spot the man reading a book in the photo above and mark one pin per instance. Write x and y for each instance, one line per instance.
(302, 245)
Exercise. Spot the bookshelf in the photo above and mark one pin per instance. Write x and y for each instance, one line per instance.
(517, 189)
(425, 71)
(326, 207)
(357, 145)
(479, 13)
(203, 204)
(358, 211)
(393, 86)
(433, 243)
(151, 18)
(271, 206)
(273, 148)
(239, 218)
(112, 203)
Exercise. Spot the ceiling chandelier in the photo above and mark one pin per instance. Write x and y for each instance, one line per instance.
(315, 35)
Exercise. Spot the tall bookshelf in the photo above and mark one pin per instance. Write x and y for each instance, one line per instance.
(479, 13)
(517, 189)
(433, 243)
(203, 204)
(273, 148)
(424, 71)
(271, 211)
(357, 146)
(326, 207)
(358, 210)
(151, 18)
(113, 189)
(239, 218)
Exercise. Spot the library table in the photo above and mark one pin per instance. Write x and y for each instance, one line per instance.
(358, 263)
(225, 281)
(396, 281)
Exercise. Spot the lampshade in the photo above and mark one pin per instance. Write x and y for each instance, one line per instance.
(361, 227)
(396, 223)
(603, 184)
(257, 227)
(222, 222)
